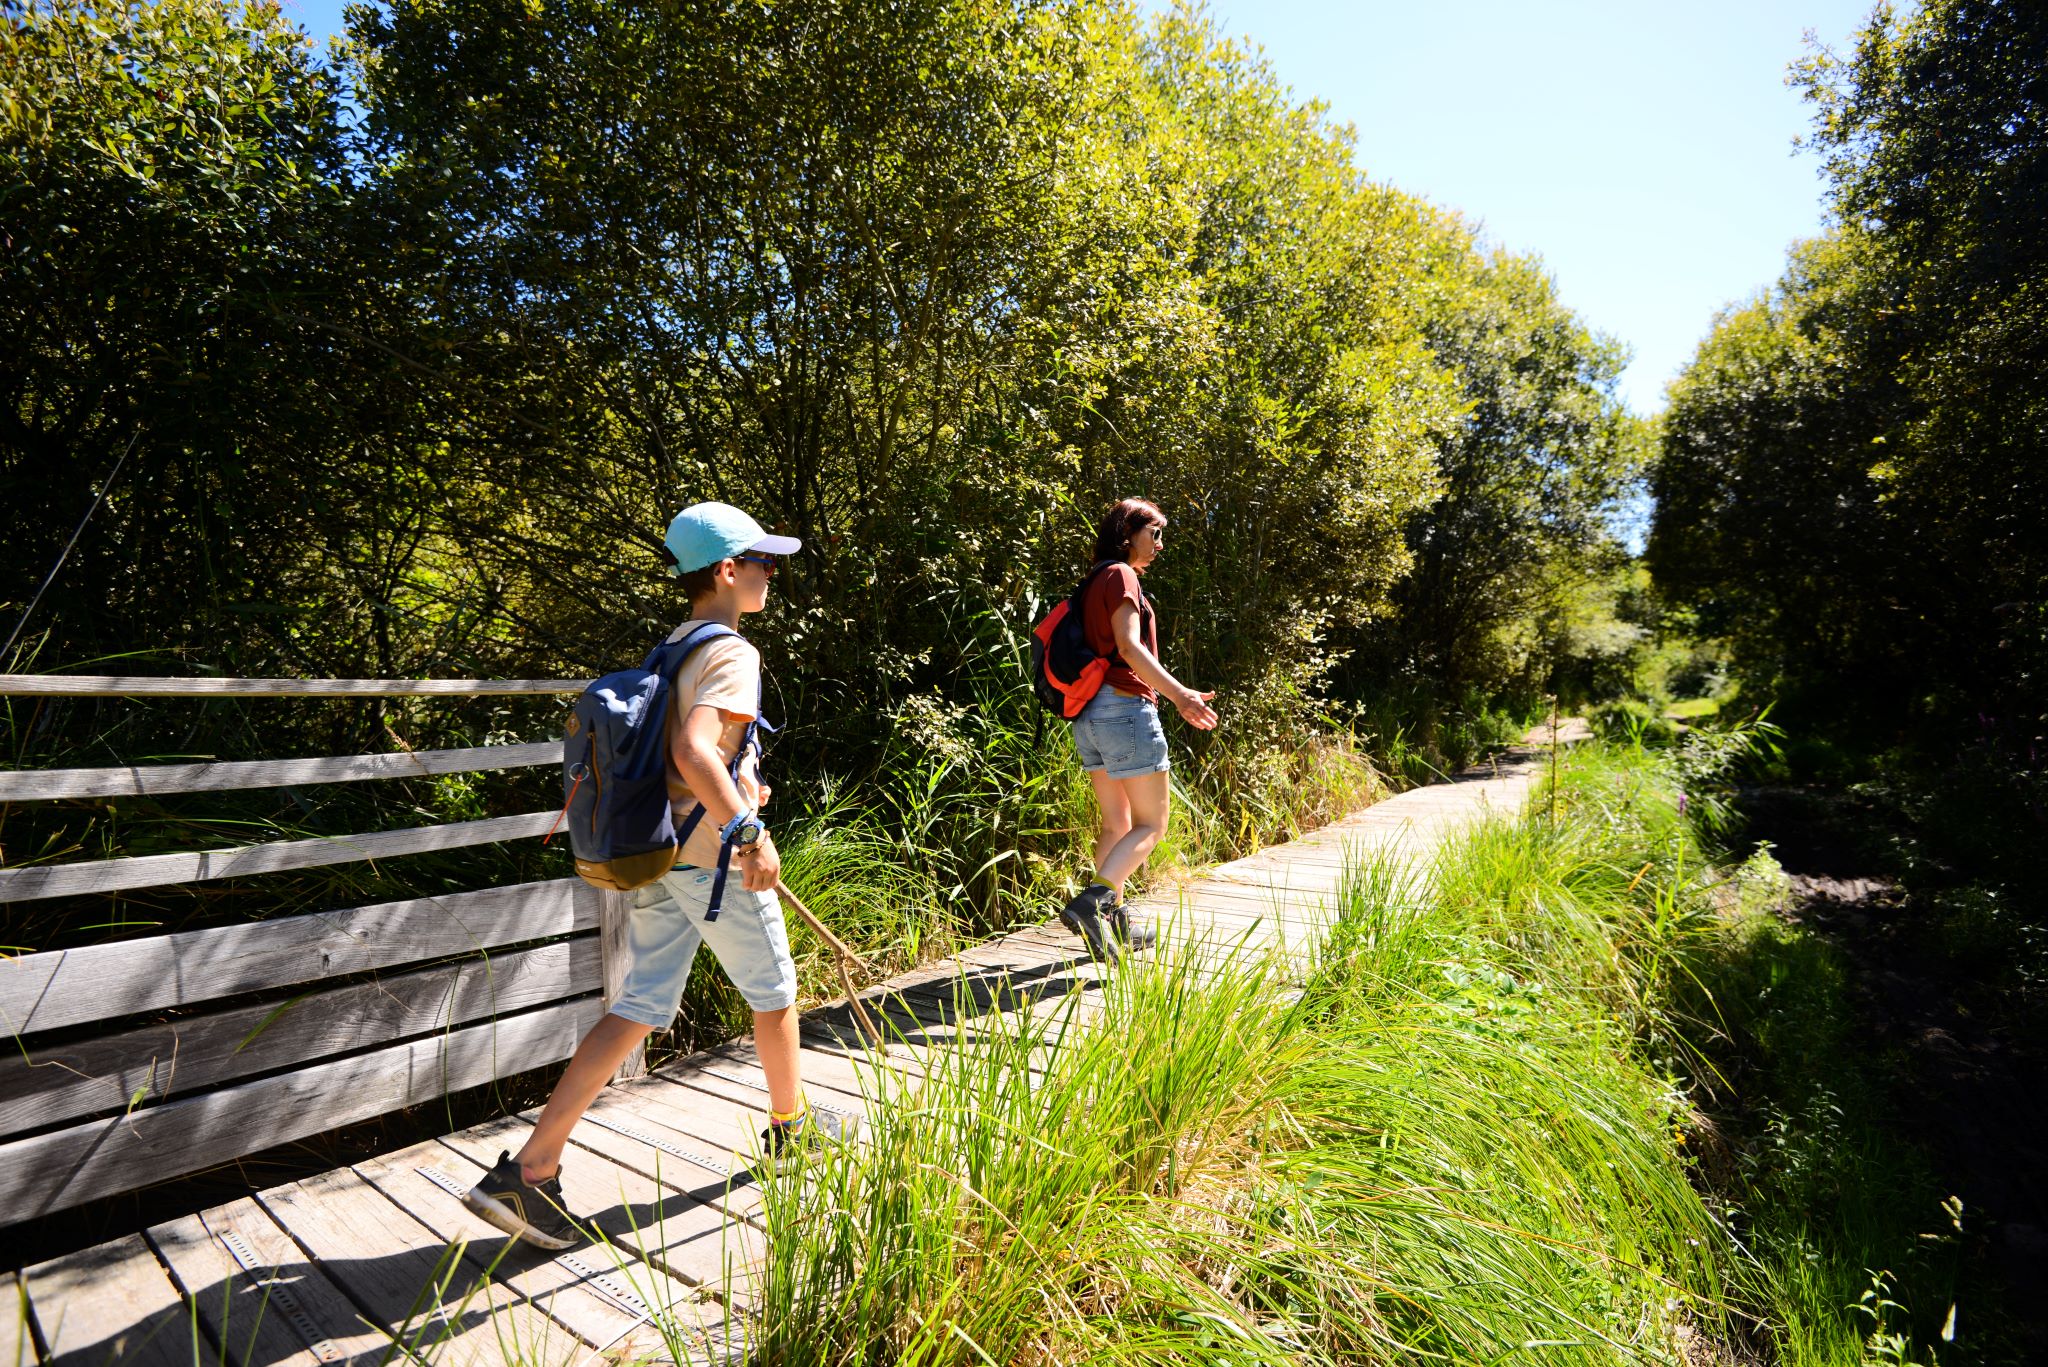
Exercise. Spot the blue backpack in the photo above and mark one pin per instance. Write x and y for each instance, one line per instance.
(615, 774)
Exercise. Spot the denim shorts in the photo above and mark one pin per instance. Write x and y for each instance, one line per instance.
(667, 924)
(1121, 736)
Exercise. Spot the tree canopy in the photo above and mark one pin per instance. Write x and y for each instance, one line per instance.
(412, 349)
(1852, 482)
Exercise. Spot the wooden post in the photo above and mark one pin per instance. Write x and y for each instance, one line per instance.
(615, 957)
(1553, 759)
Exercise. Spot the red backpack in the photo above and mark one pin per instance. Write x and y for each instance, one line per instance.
(1065, 673)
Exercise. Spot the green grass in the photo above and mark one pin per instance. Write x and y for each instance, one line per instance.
(1691, 708)
(1530, 1109)
(1443, 1141)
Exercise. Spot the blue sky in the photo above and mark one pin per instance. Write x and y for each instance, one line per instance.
(1643, 150)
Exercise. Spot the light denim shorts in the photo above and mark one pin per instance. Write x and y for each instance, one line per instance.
(667, 924)
(1121, 736)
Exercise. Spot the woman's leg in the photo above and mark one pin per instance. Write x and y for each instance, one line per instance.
(1116, 813)
(1148, 800)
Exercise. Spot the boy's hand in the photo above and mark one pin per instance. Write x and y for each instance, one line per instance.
(761, 867)
(1195, 710)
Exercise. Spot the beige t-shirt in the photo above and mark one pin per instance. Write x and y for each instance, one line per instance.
(724, 674)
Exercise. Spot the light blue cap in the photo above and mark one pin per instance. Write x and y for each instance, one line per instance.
(706, 533)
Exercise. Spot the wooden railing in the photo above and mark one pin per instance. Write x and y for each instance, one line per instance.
(115, 1081)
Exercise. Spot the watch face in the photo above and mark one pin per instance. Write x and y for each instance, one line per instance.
(747, 835)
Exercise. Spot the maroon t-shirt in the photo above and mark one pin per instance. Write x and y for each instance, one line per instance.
(1118, 584)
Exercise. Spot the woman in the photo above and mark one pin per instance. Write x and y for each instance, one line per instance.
(1122, 746)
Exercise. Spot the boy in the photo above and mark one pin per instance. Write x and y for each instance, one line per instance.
(725, 561)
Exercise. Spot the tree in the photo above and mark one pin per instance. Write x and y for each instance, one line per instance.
(1852, 479)
(167, 172)
(1534, 463)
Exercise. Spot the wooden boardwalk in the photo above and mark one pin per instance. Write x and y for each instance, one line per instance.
(339, 1267)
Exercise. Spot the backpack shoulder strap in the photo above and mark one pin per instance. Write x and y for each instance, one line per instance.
(668, 656)
(1080, 608)
(1095, 572)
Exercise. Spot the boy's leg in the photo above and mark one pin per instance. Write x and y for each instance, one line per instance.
(662, 935)
(751, 944)
(775, 1040)
(596, 1060)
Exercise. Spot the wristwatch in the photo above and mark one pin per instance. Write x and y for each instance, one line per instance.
(743, 832)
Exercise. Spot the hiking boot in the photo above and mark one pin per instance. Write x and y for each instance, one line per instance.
(818, 1127)
(1132, 937)
(1083, 916)
(533, 1211)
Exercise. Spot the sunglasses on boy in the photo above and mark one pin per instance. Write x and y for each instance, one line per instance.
(761, 558)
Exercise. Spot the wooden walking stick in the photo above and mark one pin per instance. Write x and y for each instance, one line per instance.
(845, 955)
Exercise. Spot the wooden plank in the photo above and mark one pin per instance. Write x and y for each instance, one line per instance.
(989, 993)
(42, 1087)
(1251, 898)
(276, 1315)
(17, 1345)
(748, 1087)
(138, 686)
(64, 987)
(1283, 881)
(409, 1282)
(826, 1031)
(532, 1275)
(113, 1301)
(1027, 949)
(860, 1079)
(714, 1171)
(245, 861)
(614, 937)
(64, 1167)
(1042, 1022)
(689, 1240)
(156, 780)
(1208, 908)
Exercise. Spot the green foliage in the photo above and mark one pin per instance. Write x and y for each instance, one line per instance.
(1852, 464)
(1538, 459)
(1631, 722)
(420, 343)
(1792, 1132)
(167, 172)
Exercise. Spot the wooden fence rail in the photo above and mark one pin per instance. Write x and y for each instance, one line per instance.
(159, 780)
(122, 686)
(143, 1060)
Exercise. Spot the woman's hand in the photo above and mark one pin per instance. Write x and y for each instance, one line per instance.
(1194, 709)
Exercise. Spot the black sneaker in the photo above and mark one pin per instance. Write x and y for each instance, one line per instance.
(1133, 937)
(1083, 916)
(533, 1211)
(819, 1126)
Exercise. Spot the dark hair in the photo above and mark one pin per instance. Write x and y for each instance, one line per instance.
(700, 583)
(1124, 521)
